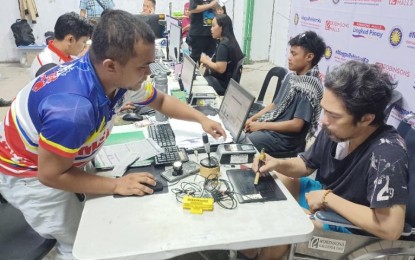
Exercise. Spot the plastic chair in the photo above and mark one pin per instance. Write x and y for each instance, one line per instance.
(395, 100)
(17, 239)
(237, 73)
(278, 72)
(351, 246)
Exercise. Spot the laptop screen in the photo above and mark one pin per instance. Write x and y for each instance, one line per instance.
(188, 70)
(175, 38)
(235, 108)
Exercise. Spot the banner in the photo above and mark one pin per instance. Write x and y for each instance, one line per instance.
(372, 31)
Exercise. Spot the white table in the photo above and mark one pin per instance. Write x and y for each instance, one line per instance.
(157, 227)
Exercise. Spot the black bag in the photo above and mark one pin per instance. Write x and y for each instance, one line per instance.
(22, 33)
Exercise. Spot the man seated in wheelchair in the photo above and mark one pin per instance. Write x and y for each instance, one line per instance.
(362, 164)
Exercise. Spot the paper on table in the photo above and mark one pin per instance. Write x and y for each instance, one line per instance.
(111, 155)
(189, 134)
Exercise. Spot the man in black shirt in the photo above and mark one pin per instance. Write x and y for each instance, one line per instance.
(200, 23)
(361, 163)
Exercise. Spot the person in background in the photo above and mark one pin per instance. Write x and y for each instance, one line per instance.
(149, 7)
(220, 10)
(226, 57)
(361, 163)
(59, 122)
(4, 102)
(283, 125)
(92, 9)
(186, 20)
(70, 36)
(202, 14)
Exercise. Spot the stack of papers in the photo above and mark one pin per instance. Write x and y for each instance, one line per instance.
(189, 134)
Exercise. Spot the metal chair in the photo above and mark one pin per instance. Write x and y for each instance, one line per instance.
(17, 239)
(333, 245)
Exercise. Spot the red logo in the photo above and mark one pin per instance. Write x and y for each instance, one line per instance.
(43, 80)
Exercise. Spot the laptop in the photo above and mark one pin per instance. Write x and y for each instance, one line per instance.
(234, 109)
(246, 191)
(186, 78)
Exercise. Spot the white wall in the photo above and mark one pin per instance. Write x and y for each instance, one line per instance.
(270, 18)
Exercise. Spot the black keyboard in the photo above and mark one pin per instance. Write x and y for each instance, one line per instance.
(170, 155)
(159, 67)
(162, 134)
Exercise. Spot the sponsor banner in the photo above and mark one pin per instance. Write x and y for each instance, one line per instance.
(364, 34)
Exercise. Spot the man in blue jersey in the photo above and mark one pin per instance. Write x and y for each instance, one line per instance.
(58, 122)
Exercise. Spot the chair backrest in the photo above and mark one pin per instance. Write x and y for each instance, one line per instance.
(396, 99)
(407, 131)
(237, 73)
(279, 72)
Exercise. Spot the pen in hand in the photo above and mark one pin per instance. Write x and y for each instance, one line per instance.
(260, 164)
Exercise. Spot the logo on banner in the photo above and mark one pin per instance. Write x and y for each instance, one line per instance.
(343, 56)
(368, 30)
(335, 26)
(296, 18)
(395, 36)
(393, 71)
(410, 43)
(310, 21)
(327, 244)
(336, 2)
(401, 2)
(328, 53)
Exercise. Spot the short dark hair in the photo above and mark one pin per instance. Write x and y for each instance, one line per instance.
(115, 35)
(310, 42)
(72, 23)
(364, 89)
(154, 2)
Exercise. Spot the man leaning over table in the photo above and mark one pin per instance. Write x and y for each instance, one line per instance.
(59, 121)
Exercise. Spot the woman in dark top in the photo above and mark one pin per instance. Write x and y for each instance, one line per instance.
(226, 57)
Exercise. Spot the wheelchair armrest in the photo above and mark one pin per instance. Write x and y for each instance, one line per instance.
(332, 218)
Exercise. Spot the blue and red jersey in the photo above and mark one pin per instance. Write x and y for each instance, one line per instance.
(65, 111)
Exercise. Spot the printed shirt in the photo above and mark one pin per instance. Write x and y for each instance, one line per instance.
(66, 111)
(49, 54)
(375, 174)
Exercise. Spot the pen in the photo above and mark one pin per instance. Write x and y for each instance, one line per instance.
(260, 164)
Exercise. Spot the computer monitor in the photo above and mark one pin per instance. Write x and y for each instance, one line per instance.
(188, 70)
(235, 108)
(175, 40)
(155, 22)
(171, 20)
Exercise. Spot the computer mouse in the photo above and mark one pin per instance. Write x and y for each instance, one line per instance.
(157, 187)
(132, 117)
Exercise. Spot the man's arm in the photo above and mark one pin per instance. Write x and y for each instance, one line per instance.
(202, 8)
(57, 172)
(172, 107)
(293, 167)
(386, 223)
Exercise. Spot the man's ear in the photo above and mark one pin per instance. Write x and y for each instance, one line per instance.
(110, 65)
(69, 38)
(367, 119)
(309, 57)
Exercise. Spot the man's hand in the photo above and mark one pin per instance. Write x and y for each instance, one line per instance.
(270, 164)
(213, 128)
(248, 122)
(254, 126)
(132, 184)
(314, 199)
(204, 59)
(127, 106)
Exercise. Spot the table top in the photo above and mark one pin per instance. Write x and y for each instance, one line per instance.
(157, 227)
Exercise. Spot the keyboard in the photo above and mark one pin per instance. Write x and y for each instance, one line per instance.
(159, 67)
(163, 135)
